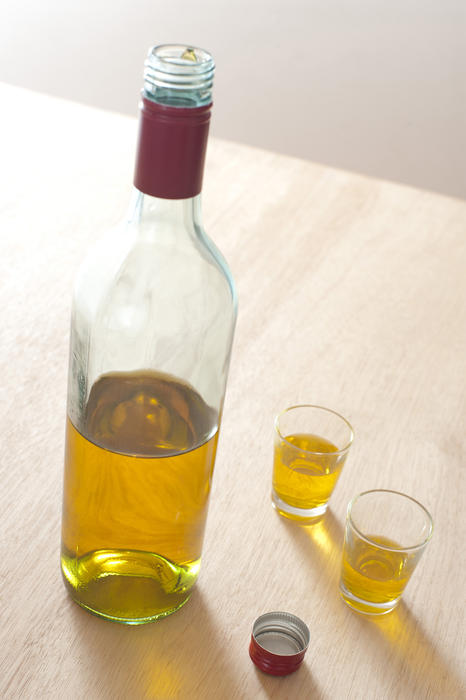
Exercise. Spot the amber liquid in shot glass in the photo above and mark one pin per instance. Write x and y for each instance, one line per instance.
(376, 574)
(305, 480)
(307, 465)
(376, 568)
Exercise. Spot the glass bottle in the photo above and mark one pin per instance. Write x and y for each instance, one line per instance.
(153, 317)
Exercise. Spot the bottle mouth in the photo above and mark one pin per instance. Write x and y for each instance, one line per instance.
(179, 75)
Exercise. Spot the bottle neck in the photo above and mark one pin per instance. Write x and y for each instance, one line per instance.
(165, 218)
(171, 150)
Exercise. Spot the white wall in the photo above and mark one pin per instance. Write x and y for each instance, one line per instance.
(375, 86)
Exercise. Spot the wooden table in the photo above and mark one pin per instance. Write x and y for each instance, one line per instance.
(352, 295)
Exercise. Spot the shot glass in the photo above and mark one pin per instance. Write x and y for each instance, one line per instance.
(311, 444)
(386, 533)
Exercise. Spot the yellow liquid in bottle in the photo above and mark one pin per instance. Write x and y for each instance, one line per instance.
(136, 490)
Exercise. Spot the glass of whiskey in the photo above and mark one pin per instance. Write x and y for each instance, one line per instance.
(311, 444)
(386, 534)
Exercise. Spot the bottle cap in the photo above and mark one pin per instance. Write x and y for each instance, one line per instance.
(279, 641)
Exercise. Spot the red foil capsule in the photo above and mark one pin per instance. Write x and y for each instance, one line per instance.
(279, 641)
(171, 149)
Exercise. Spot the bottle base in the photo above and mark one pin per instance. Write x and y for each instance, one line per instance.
(130, 587)
(126, 620)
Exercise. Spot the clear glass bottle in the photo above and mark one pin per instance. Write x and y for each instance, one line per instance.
(152, 326)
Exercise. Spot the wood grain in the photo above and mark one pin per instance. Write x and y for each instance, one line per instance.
(352, 295)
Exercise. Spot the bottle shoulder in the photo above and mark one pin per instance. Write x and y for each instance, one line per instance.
(215, 257)
(127, 265)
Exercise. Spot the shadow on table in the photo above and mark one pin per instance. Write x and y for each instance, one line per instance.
(321, 542)
(180, 656)
(280, 686)
(400, 633)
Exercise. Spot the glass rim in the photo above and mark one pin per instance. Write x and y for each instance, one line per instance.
(169, 58)
(382, 546)
(320, 408)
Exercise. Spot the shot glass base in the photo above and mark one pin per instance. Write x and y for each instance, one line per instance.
(365, 607)
(305, 516)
